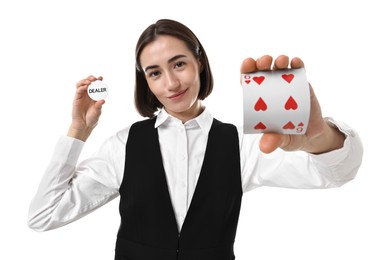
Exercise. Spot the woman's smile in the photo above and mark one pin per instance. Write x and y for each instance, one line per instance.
(178, 96)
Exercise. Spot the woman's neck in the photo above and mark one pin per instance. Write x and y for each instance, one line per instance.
(195, 110)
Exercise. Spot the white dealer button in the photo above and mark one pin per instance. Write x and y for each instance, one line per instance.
(97, 90)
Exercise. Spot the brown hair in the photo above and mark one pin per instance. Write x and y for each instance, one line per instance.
(145, 101)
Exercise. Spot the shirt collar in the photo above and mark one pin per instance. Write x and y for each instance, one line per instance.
(204, 120)
(161, 118)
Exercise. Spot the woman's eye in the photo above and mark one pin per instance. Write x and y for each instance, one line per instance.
(179, 64)
(154, 74)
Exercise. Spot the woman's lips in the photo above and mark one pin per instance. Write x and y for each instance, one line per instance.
(178, 95)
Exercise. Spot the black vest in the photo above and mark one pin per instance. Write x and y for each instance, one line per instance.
(149, 229)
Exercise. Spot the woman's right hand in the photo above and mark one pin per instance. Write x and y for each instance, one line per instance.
(85, 111)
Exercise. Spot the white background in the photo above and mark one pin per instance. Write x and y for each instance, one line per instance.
(47, 46)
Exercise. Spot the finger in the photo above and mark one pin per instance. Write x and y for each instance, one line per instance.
(269, 142)
(281, 62)
(248, 66)
(87, 81)
(81, 89)
(297, 63)
(97, 111)
(80, 93)
(83, 82)
(264, 62)
(91, 78)
(98, 104)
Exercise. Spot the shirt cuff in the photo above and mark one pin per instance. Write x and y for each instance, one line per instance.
(67, 150)
(336, 156)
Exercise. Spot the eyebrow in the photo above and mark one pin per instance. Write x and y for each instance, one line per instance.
(169, 61)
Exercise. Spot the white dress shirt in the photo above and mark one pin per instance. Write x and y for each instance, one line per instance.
(69, 191)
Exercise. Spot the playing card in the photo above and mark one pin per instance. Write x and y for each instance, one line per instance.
(276, 101)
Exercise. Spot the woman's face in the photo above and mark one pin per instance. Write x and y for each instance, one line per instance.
(173, 75)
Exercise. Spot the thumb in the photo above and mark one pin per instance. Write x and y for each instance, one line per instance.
(95, 111)
(269, 142)
(98, 105)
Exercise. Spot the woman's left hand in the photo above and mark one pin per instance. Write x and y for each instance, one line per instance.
(320, 136)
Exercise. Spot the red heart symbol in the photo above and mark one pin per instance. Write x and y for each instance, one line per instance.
(291, 104)
(247, 81)
(300, 124)
(288, 77)
(289, 125)
(260, 126)
(259, 79)
(260, 105)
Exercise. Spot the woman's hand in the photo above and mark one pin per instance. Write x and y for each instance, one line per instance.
(320, 136)
(85, 111)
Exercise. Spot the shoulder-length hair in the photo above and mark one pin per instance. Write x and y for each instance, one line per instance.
(145, 101)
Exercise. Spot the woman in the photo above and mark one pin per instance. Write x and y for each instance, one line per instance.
(181, 173)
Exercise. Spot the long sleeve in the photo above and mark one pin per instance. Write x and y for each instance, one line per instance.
(299, 169)
(69, 191)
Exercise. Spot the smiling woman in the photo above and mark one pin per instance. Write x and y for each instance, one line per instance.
(192, 52)
(172, 73)
(181, 173)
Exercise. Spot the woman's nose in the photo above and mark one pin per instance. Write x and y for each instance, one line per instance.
(172, 81)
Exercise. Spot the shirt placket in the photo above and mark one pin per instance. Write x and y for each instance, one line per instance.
(181, 161)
